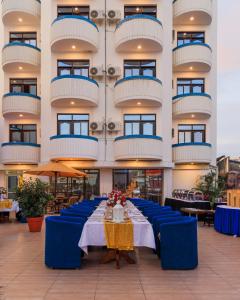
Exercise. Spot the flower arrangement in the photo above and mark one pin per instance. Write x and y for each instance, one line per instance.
(114, 197)
(3, 190)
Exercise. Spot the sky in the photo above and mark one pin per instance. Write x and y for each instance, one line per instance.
(229, 77)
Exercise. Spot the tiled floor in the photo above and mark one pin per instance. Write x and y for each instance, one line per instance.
(24, 276)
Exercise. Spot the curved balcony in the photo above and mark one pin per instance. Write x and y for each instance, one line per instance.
(20, 153)
(192, 57)
(24, 12)
(139, 33)
(131, 91)
(138, 147)
(74, 30)
(14, 104)
(73, 147)
(186, 153)
(20, 57)
(197, 104)
(189, 12)
(80, 90)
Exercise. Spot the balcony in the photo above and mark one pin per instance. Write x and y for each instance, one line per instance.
(186, 153)
(192, 57)
(14, 104)
(189, 105)
(73, 147)
(20, 153)
(189, 12)
(139, 33)
(67, 90)
(20, 57)
(131, 91)
(74, 33)
(138, 147)
(24, 12)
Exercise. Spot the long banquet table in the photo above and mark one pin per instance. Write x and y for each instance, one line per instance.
(93, 231)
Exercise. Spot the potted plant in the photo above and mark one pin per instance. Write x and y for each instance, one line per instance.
(33, 198)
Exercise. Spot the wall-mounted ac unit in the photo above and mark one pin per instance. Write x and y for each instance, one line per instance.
(113, 15)
(96, 126)
(113, 71)
(113, 126)
(97, 14)
(96, 71)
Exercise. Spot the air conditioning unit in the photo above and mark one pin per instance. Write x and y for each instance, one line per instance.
(96, 126)
(113, 71)
(97, 14)
(113, 126)
(114, 15)
(96, 71)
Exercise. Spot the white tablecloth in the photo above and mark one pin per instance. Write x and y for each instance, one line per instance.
(93, 230)
(15, 207)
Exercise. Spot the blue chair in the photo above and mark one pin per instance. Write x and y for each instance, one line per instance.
(61, 242)
(75, 213)
(178, 244)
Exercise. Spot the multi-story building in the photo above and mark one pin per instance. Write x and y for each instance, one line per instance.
(122, 89)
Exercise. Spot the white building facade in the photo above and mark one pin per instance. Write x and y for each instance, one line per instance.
(124, 90)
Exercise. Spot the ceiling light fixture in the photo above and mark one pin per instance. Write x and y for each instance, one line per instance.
(20, 20)
(20, 115)
(193, 116)
(20, 68)
(72, 102)
(139, 47)
(139, 103)
(73, 47)
(192, 19)
(191, 68)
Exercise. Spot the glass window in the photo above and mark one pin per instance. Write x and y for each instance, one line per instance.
(139, 67)
(139, 183)
(190, 85)
(73, 124)
(139, 124)
(24, 37)
(190, 37)
(82, 11)
(73, 67)
(130, 10)
(23, 85)
(192, 133)
(23, 133)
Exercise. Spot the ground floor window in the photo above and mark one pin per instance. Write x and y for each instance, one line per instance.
(145, 183)
(83, 187)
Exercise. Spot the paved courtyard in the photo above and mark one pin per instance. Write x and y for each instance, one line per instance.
(24, 276)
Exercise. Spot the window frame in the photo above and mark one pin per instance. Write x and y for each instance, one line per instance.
(189, 36)
(22, 85)
(192, 131)
(141, 123)
(22, 131)
(141, 10)
(23, 40)
(71, 122)
(72, 7)
(141, 69)
(72, 68)
(191, 85)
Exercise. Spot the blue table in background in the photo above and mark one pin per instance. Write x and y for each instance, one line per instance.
(227, 220)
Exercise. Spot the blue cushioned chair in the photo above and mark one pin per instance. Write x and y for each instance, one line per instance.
(178, 244)
(61, 242)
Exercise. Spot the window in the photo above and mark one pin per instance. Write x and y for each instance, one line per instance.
(191, 133)
(73, 67)
(190, 85)
(24, 85)
(24, 37)
(139, 67)
(140, 10)
(140, 183)
(82, 11)
(26, 133)
(72, 124)
(190, 37)
(140, 124)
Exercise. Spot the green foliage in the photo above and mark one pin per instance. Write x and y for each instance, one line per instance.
(212, 186)
(33, 197)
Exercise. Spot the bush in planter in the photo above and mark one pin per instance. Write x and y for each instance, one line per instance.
(33, 198)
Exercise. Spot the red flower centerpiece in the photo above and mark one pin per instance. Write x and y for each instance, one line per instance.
(114, 197)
